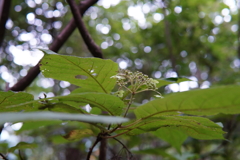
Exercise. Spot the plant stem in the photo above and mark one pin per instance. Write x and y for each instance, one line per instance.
(129, 104)
(91, 149)
(20, 155)
(114, 129)
(106, 137)
(3, 157)
(103, 150)
(98, 126)
(135, 122)
(123, 145)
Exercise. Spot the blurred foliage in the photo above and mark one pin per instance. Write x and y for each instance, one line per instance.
(203, 44)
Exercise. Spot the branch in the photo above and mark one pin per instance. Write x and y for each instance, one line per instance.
(168, 40)
(4, 13)
(20, 155)
(92, 46)
(94, 144)
(124, 147)
(3, 157)
(96, 52)
(103, 150)
(238, 51)
(56, 45)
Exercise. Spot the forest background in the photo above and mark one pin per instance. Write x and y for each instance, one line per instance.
(194, 39)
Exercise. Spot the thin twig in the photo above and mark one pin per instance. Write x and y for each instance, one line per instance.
(56, 45)
(134, 123)
(123, 146)
(20, 155)
(106, 137)
(3, 157)
(169, 41)
(91, 149)
(129, 104)
(92, 46)
(114, 129)
(4, 13)
(238, 38)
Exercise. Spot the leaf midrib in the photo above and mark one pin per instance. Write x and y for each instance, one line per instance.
(87, 73)
(182, 110)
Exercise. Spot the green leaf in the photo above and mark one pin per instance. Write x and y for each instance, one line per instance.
(22, 145)
(10, 98)
(95, 111)
(59, 140)
(16, 117)
(173, 136)
(77, 105)
(30, 125)
(200, 102)
(91, 74)
(78, 134)
(61, 107)
(71, 103)
(112, 104)
(196, 127)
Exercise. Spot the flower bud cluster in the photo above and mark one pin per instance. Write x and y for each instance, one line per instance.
(135, 81)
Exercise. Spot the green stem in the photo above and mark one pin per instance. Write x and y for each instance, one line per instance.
(100, 127)
(129, 104)
(114, 129)
(116, 134)
(135, 122)
(123, 146)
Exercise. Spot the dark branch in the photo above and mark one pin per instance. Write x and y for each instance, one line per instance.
(20, 155)
(123, 146)
(168, 39)
(96, 52)
(56, 45)
(94, 144)
(238, 38)
(103, 150)
(3, 157)
(92, 46)
(4, 13)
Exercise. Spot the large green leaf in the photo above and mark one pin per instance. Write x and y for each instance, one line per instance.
(196, 127)
(10, 99)
(71, 103)
(211, 101)
(18, 117)
(172, 135)
(91, 74)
